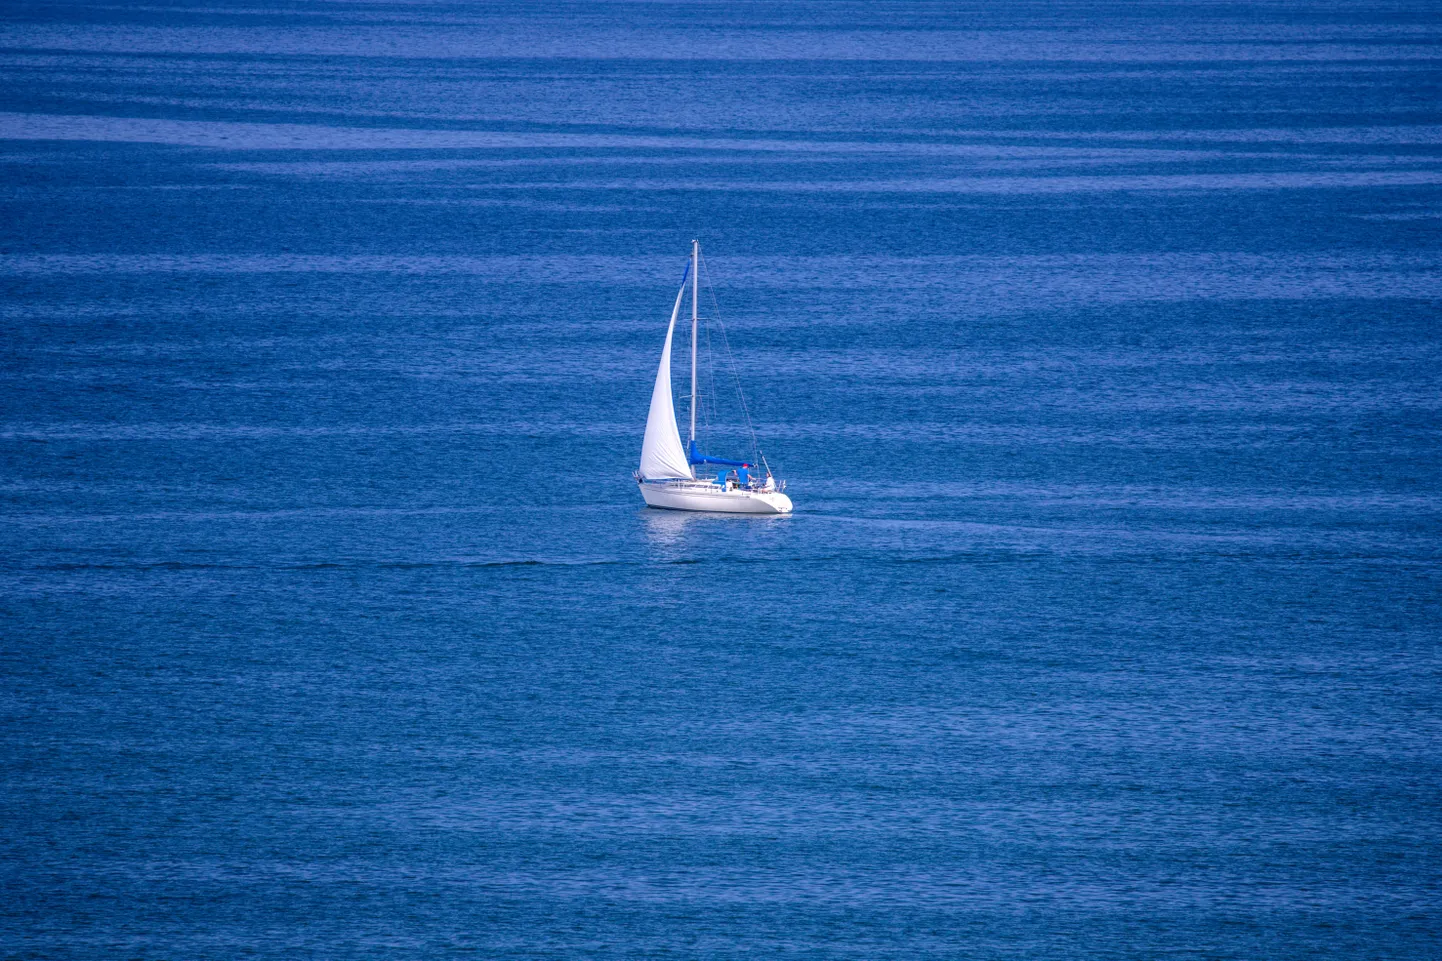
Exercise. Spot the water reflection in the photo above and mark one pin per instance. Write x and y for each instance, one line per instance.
(668, 528)
(734, 533)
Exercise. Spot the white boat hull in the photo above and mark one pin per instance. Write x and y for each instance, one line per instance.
(701, 496)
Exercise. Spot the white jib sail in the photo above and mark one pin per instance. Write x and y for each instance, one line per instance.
(662, 455)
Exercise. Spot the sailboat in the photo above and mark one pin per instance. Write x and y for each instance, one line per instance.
(669, 475)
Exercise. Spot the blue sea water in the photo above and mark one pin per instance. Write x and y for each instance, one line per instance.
(1099, 345)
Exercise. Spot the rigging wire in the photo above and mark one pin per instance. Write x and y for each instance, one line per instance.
(706, 393)
(709, 408)
(731, 361)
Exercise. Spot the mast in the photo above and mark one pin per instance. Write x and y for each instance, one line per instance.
(695, 286)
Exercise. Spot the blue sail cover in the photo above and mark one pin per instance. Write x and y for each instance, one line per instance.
(693, 453)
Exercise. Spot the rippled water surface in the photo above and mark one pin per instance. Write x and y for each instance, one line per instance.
(1099, 345)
